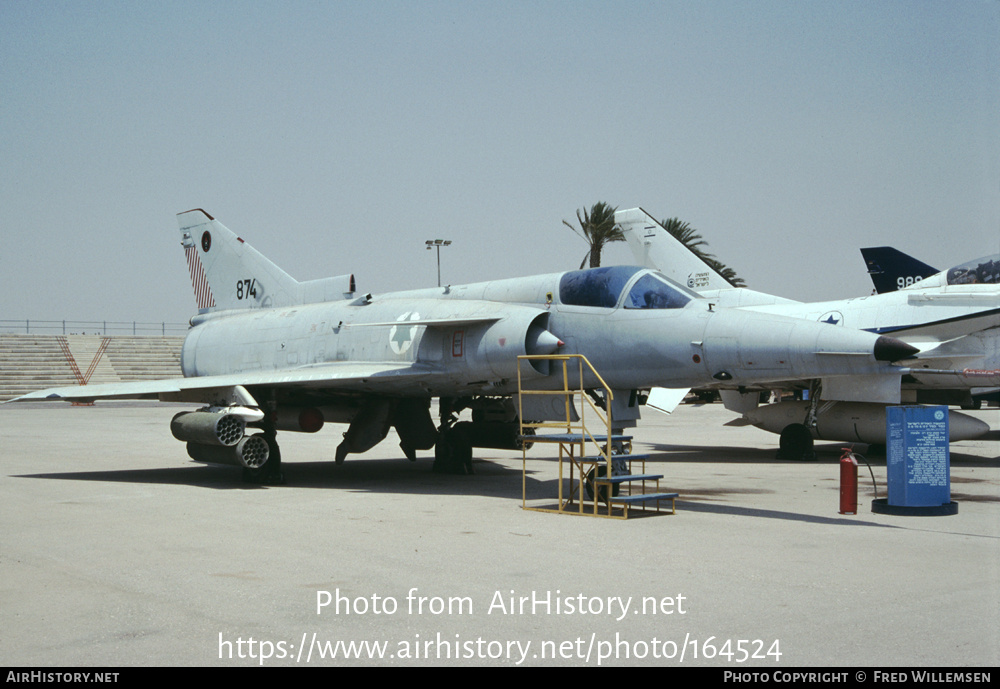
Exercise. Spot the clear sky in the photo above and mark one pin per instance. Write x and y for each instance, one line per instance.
(339, 136)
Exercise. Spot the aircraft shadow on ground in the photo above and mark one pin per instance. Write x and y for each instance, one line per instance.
(492, 478)
(393, 476)
(663, 452)
(825, 454)
(737, 511)
(363, 475)
(547, 489)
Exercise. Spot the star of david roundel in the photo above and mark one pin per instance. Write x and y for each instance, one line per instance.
(401, 336)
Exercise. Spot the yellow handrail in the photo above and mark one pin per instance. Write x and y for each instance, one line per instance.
(603, 416)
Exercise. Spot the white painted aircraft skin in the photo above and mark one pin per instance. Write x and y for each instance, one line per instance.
(264, 340)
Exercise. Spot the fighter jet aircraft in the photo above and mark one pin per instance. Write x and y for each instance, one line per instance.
(951, 318)
(269, 352)
(891, 269)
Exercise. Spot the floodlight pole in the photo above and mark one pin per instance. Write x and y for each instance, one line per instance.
(437, 244)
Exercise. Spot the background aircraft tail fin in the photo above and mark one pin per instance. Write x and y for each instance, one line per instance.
(891, 269)
(654, 247)
(228, 273)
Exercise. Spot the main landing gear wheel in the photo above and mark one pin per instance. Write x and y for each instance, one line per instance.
(796, 443)
(453, 454)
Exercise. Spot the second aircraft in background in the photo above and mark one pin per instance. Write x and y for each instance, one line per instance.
(951, 317)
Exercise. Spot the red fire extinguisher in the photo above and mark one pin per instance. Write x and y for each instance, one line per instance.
(848, 482)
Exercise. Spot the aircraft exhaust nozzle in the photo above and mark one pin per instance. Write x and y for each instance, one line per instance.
(207, 428)
(891, 349)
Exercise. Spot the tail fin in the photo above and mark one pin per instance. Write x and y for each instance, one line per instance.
(654, 247)
(228, 273)
(891, 269)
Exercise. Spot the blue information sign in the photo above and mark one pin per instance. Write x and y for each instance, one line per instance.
(917, 456)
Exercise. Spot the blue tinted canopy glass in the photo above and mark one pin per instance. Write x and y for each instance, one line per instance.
(653, 292)
(603, 287)
(595, 287)
(982, 271)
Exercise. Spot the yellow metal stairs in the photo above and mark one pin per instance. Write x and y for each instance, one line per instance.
(588, 484)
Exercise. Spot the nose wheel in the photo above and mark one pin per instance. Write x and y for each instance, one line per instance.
(796, 442)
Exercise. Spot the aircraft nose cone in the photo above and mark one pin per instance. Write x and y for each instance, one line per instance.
(891, 349)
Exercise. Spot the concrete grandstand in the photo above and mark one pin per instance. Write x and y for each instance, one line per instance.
(31, 362)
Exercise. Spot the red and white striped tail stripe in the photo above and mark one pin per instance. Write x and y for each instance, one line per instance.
(202, 292)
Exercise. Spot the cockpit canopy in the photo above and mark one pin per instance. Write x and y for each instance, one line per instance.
(604, 287)
(982, 271)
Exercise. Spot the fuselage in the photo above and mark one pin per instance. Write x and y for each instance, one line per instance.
(635, 326)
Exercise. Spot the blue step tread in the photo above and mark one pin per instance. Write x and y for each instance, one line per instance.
(628, 477)
(600, 458)
(572, 438)
(646, 497)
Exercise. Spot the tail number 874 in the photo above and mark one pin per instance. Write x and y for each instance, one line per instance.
(246, 289)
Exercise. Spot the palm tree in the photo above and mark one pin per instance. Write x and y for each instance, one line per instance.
(690, 238)
(686, 235)
(725, 271)
(597, 228)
